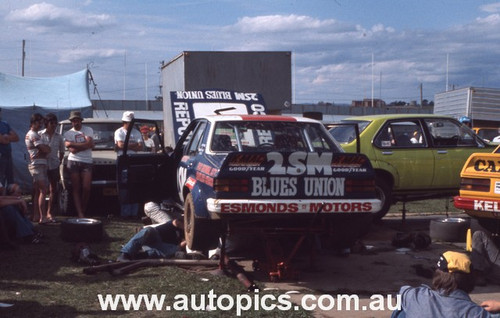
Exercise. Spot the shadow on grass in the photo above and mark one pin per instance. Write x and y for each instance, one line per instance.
(34, 309)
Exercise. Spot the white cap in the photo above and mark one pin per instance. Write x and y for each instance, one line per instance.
(128, 116)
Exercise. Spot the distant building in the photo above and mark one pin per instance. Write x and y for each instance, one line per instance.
(367, 102)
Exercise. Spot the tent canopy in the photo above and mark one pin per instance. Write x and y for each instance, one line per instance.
(20, 97)
(68, 91)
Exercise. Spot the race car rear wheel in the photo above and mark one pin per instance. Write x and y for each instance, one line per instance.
(384, 193)
(200, 234)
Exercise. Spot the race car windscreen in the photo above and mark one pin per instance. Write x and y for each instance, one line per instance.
(271, 136)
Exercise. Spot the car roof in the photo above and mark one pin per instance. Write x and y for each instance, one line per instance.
(94, 120)
(395, 116)
(216, 118)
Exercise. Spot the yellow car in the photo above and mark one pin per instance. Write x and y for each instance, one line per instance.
(415, 156)
(480, 189)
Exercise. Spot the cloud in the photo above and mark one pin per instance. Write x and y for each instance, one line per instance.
(280, 23)
(490, 7)
(44, 17)
(78, 55)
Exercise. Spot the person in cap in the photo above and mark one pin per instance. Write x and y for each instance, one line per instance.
(135, 139)
(56, 142)
(79, 141)
(38, 152)
(7, 136)
(466, 121)
(449, 295)
(134, 144)
(149, 144)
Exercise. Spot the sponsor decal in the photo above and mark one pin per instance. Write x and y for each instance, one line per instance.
(187, 105)
(278, 207)
(316, 187)
(287, 186)
(487, 165)
(300, 163)
(488, 206)
(274, 186)
(247, 160)
(190, 182)
(206, 169)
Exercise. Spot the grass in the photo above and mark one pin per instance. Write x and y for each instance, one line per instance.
(425, 207)
(43, 281)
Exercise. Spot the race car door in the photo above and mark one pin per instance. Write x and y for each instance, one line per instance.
(148, 172)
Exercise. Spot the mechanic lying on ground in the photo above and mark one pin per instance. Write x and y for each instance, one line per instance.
(161, 241)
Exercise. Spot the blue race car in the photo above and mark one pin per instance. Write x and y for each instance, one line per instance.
(236, 172)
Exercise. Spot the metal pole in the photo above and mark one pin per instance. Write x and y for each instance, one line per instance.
(23, 57)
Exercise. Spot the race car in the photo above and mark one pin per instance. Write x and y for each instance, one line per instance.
(235, 172)
(480, 190)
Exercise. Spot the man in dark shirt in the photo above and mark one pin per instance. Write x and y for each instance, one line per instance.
(161, 241)
(7, 136)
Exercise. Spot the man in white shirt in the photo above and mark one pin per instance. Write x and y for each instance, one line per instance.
(79, 141)
(134, 144)
(38, 152)
(56, 142)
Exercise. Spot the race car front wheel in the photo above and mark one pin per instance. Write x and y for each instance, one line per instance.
(200, 234)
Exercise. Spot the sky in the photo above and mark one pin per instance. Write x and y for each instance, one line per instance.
(342, 50)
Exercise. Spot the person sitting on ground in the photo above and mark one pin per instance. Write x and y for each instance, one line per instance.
(452, 282)
(161, 241)
(14, 215)
(485, 257)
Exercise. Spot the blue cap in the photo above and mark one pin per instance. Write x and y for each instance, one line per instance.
(464, 119)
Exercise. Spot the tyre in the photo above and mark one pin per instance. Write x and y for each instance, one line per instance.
(200, 234)
(81, 230)
(449, 229)
(384, 193)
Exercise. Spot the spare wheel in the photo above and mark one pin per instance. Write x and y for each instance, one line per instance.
(81, 230)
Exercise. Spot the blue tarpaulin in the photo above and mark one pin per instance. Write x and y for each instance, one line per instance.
(20, 97)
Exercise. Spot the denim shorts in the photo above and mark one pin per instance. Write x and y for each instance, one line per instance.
(78, 166)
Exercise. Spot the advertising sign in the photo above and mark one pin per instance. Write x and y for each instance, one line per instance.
(188, 105)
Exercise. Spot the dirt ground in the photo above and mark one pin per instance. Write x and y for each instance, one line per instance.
(380, 269)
